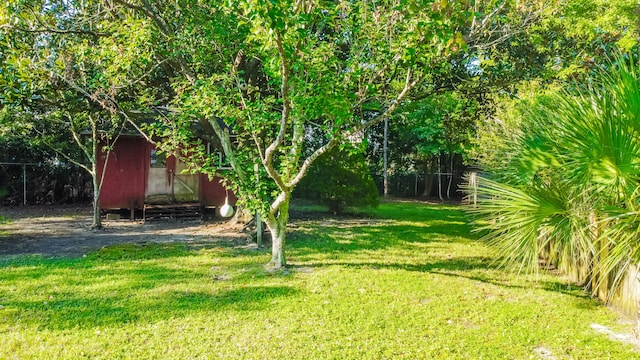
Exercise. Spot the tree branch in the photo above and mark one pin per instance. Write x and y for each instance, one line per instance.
(227, 147)
(108, 156)
(503, 32)
(76, 137)
(70, 159)
(408, 86)
(45, 29)
(60, 31)
(286, 110)
(309, 160)
(277, 203)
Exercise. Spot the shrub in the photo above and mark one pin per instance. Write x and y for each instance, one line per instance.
(339, 179)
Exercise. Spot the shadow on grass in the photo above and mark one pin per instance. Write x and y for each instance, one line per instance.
(373, 238)
(32, 267)
(68, 312)
(439, 230)
(51, 247)
(590, 303)
(116, 286)
(443, 267)
(129, 251)
(421, 212)
(423, 228)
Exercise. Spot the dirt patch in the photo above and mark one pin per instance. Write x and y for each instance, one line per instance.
(65, 231)
(623, 338)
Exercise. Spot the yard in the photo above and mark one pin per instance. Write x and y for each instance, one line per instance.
(408, 280)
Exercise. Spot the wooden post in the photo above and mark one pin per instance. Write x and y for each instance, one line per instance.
(473, 182)
(256, 169)
(450, 177)
(24, 177)
(24, 183)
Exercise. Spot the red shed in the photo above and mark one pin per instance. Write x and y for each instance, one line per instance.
(137, 176)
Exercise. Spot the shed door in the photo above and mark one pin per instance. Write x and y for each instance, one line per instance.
(159, 180)
(186, 187)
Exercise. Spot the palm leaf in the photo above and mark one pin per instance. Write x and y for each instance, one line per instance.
(580, 160)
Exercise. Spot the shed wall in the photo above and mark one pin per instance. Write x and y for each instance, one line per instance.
(212, 193)
(126, 174)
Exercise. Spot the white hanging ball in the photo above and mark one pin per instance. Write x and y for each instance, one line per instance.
(226, 210)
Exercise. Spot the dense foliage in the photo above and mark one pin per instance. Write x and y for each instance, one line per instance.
(426, 137)
(254, 79)
(570, 191)
(62, 83)
(545, 44)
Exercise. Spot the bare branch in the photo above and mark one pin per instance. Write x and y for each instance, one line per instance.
(143, 76)
(108, 156)
(309, 160)
(482, 36)
(70, 159)
(408, 86)
(227, 147)
(76, 136)
(236, 64)
(485, 21)
(277, 203)
(160, 23)
(44, 28)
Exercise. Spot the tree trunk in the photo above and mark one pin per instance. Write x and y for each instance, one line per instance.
(450, 176)
(277, 224)
(428, 178)
(385, 156)
(97, 223)
(593, 281)
(440, 179)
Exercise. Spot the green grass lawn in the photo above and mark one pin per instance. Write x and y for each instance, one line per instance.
(410, 283)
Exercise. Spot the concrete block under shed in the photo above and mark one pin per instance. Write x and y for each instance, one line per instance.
(112, 216)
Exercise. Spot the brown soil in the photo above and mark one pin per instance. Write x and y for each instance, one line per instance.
(65, 231)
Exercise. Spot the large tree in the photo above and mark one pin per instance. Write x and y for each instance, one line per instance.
(256, 77)
(71, 72)
(542, 42)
